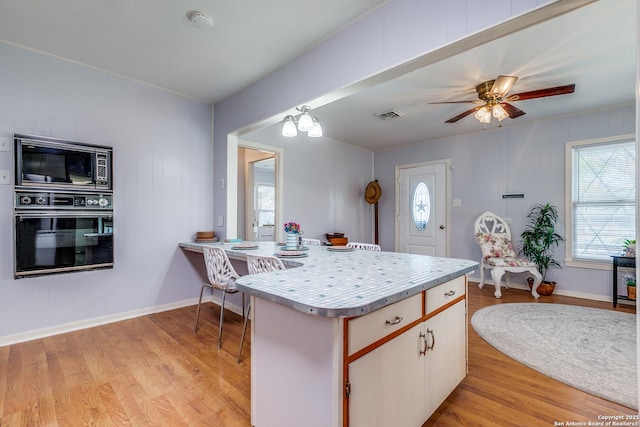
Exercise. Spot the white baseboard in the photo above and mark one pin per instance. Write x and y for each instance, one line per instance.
(557, 291)
(98, 321)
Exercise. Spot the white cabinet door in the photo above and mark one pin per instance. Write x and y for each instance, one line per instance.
(446, 363)
(387, 385)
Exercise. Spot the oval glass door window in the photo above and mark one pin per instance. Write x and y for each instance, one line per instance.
(421, 206)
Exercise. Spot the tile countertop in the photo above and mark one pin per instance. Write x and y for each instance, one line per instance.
(343, 284)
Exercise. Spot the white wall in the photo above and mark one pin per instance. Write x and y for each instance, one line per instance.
(163, 189)
(397, 33)
(324, 182)
(527, 158)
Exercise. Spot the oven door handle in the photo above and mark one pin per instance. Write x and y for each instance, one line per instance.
(66, 214)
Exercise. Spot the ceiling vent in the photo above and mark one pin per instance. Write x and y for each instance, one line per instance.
(388, 115)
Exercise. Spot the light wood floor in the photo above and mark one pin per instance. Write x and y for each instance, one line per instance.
(154, 371)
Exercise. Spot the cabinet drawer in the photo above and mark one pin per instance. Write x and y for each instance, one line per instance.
(371, 327)
(444, 293)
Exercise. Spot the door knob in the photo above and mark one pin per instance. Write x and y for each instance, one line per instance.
(442, 227)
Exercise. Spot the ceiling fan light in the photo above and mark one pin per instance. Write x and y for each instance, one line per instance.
(499, 112)
(483, 115)
(316, 130)
(305, 122)
(289, 127)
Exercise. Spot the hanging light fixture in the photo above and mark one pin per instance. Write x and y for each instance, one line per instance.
(499, 112)
(316, 130)
(483, 114)
(302, 122)
(289, 127)
(491, 108)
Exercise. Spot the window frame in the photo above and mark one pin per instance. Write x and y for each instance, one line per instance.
(257, 210)
(570, 261)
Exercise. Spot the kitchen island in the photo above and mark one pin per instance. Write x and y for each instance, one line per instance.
(355, 338)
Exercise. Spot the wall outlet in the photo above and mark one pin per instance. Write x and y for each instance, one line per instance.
(457, 202)
(5, 144)
(5, 177)
(220, 221)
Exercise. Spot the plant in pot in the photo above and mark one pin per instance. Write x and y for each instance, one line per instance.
(630, 248)
(630, 280)
(538, 240)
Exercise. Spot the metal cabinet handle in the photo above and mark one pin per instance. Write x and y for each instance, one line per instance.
(433, 339)
(450, 293)
(426, 346)
(395, 321)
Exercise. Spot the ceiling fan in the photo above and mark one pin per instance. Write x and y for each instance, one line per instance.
(493, 99)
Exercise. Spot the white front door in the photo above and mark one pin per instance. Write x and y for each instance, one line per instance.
(421, 208)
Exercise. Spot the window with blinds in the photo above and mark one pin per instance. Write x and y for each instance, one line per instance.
(602, 198)
(265, 204)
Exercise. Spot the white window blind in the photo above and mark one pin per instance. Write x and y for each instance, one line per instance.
(265, 204)
(603, 199)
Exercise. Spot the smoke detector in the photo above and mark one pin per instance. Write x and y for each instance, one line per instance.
(200, 20)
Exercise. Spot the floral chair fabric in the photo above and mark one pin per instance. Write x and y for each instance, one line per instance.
(497, 251)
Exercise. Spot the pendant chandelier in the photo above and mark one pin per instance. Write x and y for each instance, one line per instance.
(302, 122)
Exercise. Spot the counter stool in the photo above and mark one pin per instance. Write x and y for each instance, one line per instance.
(221, 276)
(258, 264)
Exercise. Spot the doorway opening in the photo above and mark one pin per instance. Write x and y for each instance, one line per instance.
(259, 192)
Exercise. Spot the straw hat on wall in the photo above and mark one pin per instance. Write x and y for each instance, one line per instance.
(373, 192)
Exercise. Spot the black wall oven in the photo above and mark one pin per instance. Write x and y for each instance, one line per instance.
(63, 208)
(48, 242)
(58, 232)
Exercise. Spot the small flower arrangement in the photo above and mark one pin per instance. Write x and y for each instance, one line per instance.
(630, 280)
(291, 227)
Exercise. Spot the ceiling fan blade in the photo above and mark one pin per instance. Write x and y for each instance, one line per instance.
(502, 85)
(541, 93)
(461, 115)
(512, 111)
(474, 101)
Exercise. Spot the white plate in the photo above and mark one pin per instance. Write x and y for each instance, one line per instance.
(300, 248)
(339, 248)
(244, 247)
(291, 254)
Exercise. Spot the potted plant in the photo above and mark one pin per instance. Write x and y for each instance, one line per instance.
(630, 280)
(537, 242)
(630, 248)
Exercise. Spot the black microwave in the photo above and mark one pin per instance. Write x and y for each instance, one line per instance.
(59, 164)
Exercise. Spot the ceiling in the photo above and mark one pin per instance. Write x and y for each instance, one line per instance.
(593, 47)
(154, 42)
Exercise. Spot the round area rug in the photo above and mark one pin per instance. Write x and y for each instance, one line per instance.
(591, 349)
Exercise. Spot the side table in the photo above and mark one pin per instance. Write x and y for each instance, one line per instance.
(620, 261)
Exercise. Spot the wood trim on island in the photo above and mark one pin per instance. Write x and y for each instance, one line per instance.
(347, 359)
